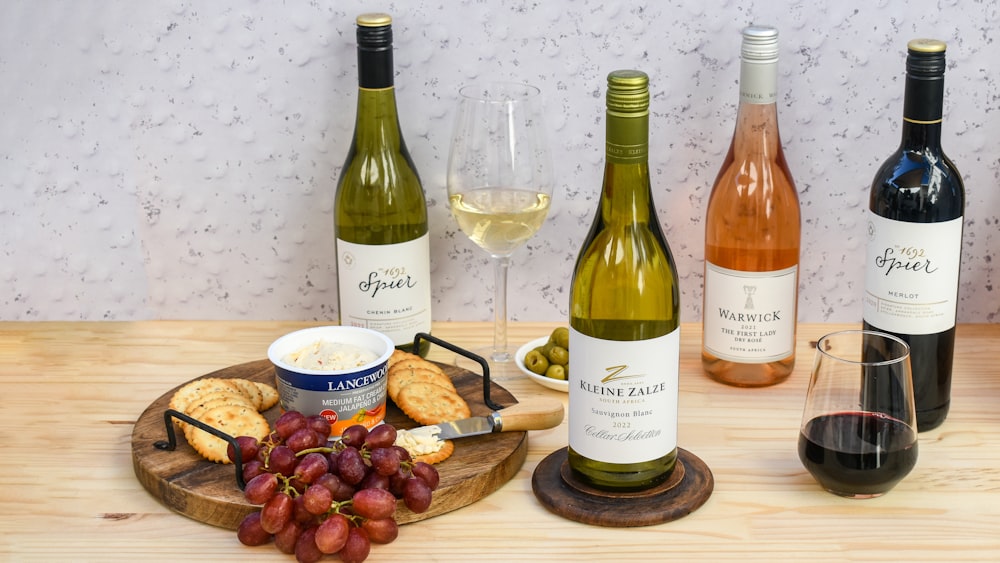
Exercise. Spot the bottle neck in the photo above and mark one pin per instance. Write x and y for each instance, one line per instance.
(757, 116)
(377, 118)
(375, 66)
(626, 196)
(759, 82)
(923, 107)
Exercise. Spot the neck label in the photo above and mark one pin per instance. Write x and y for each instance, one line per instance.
(758, 83)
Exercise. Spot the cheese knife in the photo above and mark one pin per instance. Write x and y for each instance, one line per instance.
(534, 414)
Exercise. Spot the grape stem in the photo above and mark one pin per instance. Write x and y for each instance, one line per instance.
(285, 485)
(319, 450)
(364, 451)
(335, 508)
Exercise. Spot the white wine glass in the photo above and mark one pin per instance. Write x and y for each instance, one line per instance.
(499, 180)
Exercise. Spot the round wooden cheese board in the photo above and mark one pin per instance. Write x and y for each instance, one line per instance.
(207, 492)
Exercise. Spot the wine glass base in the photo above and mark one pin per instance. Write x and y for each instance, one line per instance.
(501, 362)
(501, 357)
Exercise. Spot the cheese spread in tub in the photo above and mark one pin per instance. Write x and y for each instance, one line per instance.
(338, 372)
(326, 355)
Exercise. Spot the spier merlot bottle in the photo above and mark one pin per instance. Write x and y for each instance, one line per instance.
(914, 244)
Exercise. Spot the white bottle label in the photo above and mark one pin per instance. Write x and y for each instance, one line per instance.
(749, 317)
(623, 397)
(911, 275)
(386, 287)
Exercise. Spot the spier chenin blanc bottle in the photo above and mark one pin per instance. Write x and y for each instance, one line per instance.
(752, 234)
(383, 246)
(914, 247)
(624, 316)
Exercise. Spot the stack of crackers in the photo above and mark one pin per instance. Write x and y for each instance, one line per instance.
(422, 390)
(233, 406)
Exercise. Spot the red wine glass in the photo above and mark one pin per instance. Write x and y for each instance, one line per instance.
(858, 437)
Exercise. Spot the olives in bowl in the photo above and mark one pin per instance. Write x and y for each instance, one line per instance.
(546, 359)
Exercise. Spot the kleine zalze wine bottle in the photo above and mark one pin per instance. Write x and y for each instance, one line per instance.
(752, 233)
(383, 245)
(624, 316)
(914, 247)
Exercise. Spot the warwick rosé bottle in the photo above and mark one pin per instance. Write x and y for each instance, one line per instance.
(752, 232)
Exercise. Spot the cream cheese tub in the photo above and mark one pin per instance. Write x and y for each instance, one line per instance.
(329, 380)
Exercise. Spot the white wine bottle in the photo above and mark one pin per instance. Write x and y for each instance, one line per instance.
(914, 249)
(624, 316)
(380, 214)
(752, 234)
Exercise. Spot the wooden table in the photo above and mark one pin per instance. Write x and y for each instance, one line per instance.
(70, 393)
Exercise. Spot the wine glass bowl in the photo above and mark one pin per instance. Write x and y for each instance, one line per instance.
(499, 220)
(499, 180)
(858, 436)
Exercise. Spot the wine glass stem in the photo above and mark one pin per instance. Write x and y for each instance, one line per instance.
(500, 353)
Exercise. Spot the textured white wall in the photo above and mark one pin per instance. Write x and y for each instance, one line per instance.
(178, 159)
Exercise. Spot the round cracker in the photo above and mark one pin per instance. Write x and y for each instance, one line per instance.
(198, 411)
(403, 377)
(195, 389)
(269, 396)
(209, 392)
(250, 391)
(414, 361)
(398, 355)
(234, 420)
(231, 395)
(447, 448)
(428, 403)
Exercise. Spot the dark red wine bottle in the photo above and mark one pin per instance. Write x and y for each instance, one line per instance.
(914, 244)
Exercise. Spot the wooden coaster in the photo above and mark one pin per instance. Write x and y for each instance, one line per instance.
(687, 488)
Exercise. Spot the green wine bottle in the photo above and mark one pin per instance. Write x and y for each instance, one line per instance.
(380, 214)
(624, 316)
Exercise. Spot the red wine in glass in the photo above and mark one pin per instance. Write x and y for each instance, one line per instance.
(857, 454)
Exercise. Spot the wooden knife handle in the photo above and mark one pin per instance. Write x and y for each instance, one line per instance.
(531, 414)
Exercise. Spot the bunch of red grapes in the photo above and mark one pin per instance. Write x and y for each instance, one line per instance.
(322, 497)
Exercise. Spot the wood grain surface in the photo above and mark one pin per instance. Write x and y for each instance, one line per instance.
(72, 392)
(208, 492)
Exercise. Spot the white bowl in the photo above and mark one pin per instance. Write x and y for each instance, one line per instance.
(557, 384)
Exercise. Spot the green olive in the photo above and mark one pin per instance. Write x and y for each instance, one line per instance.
(560, 337)
(536, 362)
(558, 355)
(556, 371)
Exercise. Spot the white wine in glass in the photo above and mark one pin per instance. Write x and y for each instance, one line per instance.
(500, 220)
(499, 180)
